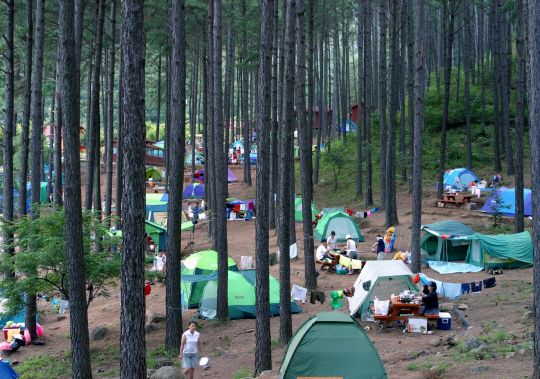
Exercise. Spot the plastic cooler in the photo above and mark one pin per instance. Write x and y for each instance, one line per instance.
(445, 321)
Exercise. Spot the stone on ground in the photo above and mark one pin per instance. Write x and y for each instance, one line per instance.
(156, 317)
(98, 333)
(168, 372)
(473, 343)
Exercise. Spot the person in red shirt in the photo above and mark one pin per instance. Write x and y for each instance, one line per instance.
(473, 183)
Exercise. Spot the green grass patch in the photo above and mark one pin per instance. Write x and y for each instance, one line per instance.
(275, 343)
(411, 366)
(242, 373)
(44, 367)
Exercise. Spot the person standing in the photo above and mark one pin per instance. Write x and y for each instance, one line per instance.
(380, 248)
(189, 347)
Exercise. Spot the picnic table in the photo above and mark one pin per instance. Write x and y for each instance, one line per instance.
(453, 198)
(399, 311)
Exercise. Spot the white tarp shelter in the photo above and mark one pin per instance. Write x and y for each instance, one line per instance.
(385, 278)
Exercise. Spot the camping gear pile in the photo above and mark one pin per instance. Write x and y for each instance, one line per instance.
(239, 210)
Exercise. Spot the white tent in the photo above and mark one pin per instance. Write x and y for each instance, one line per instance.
(385, 278)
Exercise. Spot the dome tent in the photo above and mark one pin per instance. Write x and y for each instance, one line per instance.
(307, 351)
(199, 158)
(458, 179)
(241, 296)
(200, 263)
(298, 210)
(507, 202)
(339, 222)
(445, 240)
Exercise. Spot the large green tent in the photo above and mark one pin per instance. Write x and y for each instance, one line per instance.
(157, 232)
(154, 204)
(200, 263)
(240, 293)
(503, 251)
(310, 350)
(298, 210)
(43, 192)
(446, 240)
(339, 222)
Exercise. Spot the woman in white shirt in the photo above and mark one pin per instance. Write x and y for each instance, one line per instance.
(332, 240)
(189, 347)
(159, 262)
(351, 250)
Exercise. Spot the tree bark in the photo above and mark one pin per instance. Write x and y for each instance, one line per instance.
(410, 86)
(495, 81)
(158, 110)
(25, 133)
(70, 102)
(519, 224)
(285, 162)
(383, 99)
(132, 333)
(120, 148)
(367, 105)
(360, 84)
(263, 351)
(466, 66)
(419, 89)
(274, 125)
(173, 334)
(322, 109)
(58, 184)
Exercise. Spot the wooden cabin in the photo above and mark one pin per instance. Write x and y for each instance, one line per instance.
(354, 113)
(48, 131)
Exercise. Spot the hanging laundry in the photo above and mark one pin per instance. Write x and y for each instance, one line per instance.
(356, 264)
(246, 262)
(452, 290)
(490, 283)
(344, 261)
(476, 287)
(273, 259)
(64, 305)
(337, 299)
(317, 296)
(466, 287)
(236, 207)
(299, 293)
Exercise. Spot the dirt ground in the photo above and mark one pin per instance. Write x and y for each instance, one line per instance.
(494, 314)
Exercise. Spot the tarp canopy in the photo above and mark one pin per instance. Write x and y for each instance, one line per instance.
(154, 204)
(309, 351)
(446, 240)
(339, 222)
(231, 177)
(199, 158)
(194, 191)
(385, 278)
(458, 178)
(507, 203)
(503, 250)
(241, 296)
(200, 263)
(298, 210)
(157, 232)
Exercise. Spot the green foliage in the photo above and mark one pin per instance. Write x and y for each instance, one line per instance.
(242, 373)
(44, 367)
(498, 207)
(337, 157)
(45, 269)
(411, 366)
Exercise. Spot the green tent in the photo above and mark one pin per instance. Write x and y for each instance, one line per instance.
(154, 204)
(43, 192)
(154, 173)
(241, 295)
(339, 222)
(200, 263)
(446, 241)
(333, 209)
(157, 232)
(298, 210)
(503, 251)
(309, 351)
(199, 158)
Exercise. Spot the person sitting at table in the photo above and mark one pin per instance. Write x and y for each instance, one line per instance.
(324, 256)
(332, 240)
(430, 301)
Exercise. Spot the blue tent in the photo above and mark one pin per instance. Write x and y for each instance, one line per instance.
(508, 202)
(458, 178)
(351, 126)
(6, 372)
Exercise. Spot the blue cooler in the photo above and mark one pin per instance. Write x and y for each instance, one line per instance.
(445, 321)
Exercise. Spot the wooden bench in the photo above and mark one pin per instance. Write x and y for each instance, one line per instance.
(458, 203)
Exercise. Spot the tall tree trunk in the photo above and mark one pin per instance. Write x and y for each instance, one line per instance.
(209, 159)
(285, 162)
(132, 334)
(368, 102)
(410, 86)
(70, 103)
(322, 108)
(222, 312)
(228, 84)
(360, 84)
(420, 59)
(120, 147)
(496, 87)
(263, 351)
(110, 117)
(245, 116)
(173, 334)
(25, 134)
(466, 66)
(94, 124)
(383, 100)
(481, 45)
(58, 127)
(401, 88)
(520, 115)
(158, 110)
(274, 127)
(390, 175)
(36, 147)
(447, 78)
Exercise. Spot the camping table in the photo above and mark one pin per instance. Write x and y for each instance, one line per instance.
(399, 311)
(450, 198)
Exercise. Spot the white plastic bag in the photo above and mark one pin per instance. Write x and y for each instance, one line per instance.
(381, 307)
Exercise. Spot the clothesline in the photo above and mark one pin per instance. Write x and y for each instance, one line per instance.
(456, 290)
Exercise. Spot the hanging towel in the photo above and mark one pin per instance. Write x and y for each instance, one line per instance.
(236, 207)
(55, 301)
(299, 293)
(369, 214)
(440, 287)
(64, 305)
(466, 287)
(293, 251)
(452, 290)
(246, 262)
(476, 287)
(273, 259)
(243, 207)
(356, 264)
(344, 261)
(250, 206)
(317, 296)
(490, 283)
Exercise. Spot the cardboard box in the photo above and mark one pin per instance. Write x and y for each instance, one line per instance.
(417, 325)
